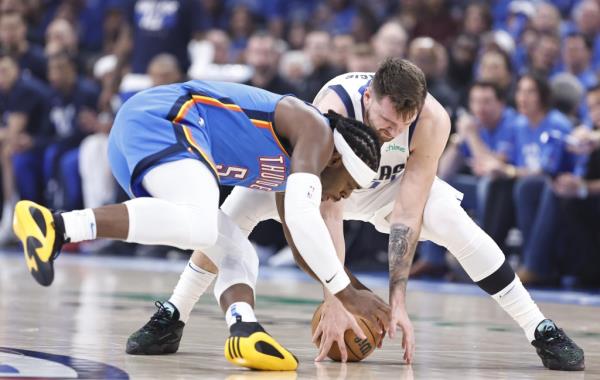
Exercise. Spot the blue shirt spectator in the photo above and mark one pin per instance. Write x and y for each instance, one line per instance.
(500, 138)
(163, 26)
(527, 138)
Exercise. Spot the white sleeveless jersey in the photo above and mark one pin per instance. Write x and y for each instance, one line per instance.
(350, 87)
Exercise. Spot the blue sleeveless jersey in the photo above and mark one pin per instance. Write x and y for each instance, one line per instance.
(227, 126)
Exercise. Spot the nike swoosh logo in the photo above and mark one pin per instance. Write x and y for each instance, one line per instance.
(510, 290)
(332, 277)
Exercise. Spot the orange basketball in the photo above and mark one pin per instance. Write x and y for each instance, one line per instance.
(357, 348)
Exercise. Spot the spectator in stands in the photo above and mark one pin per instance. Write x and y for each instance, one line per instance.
(13, 40)
(586, 15)
(545, 55)
(477, 19)
(546, 18)
(486, 131)
(436, 21)
(241, 27)
(342, 46)
(390, 41)
(213, 15)
(221, 46)
(576, 56)
(262, 55)
(162, 29)
(70, 95)
(362, 58)
(461, 62)
(336, 16)
(24, 134)
(318, 48)
(533, 99)
(61, 36)
(425, 53)
(295, 66)
(564, 237)
(495, 66)
(567, 95)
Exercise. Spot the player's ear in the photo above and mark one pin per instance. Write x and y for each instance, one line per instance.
(335, 161)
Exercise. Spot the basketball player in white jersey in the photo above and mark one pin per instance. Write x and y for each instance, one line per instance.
(407, 201)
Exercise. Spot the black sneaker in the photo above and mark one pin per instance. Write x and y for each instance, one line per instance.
(556, 349)
(161, 335)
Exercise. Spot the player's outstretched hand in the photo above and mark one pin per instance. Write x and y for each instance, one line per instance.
(400, 318)
(335, 320)
(366, 304)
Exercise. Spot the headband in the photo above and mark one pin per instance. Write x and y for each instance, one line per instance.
(361, 172)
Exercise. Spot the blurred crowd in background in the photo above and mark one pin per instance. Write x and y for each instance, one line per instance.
(520, 80)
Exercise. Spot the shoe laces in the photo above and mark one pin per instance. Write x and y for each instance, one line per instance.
(556, 337)
(160, 318)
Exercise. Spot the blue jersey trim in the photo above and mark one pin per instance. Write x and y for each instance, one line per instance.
(343, 94)
(411, 129)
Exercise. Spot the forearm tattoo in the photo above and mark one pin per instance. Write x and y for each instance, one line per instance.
(401, 250)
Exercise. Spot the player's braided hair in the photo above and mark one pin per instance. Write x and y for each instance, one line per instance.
(362, 139)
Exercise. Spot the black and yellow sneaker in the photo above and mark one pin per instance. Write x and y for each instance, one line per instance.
(42, 235)
(556, 349)
(250, 346)
(161, 335)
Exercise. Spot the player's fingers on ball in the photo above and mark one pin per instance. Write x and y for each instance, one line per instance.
(317, 334)
(374, 320)
(384, 319)
(343, 350)
(324, 348)
(357, 330)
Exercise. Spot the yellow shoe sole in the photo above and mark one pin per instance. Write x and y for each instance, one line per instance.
(259, 351)
(33, 225)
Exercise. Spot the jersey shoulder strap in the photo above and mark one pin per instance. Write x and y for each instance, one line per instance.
(350, 88)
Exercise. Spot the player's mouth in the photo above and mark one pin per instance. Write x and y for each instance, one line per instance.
(385, 136)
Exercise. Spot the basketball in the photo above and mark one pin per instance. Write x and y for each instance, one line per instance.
(357, 348)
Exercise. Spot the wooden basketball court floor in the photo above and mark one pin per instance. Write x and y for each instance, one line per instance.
(78, 327)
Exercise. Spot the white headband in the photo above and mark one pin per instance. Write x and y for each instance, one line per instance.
(361, 172)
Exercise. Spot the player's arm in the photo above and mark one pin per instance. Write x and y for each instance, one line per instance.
(312, 141)
(279, 198)
(333, 212)
(427, 145)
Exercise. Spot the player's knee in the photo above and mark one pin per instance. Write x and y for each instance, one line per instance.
(202, 227)
(444, 216)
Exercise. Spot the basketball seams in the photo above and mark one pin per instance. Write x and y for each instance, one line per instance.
(370, 332)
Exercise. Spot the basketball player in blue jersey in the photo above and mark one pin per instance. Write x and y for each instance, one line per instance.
(407, 201)
(169, 149)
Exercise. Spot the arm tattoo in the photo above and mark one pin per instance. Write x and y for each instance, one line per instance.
(401, 250)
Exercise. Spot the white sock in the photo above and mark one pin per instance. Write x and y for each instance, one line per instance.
(80, 225)
(239, 309)
(517, 302)
(192, 283)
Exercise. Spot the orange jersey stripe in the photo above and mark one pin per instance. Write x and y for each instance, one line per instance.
(232, 107)
(190, 138)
